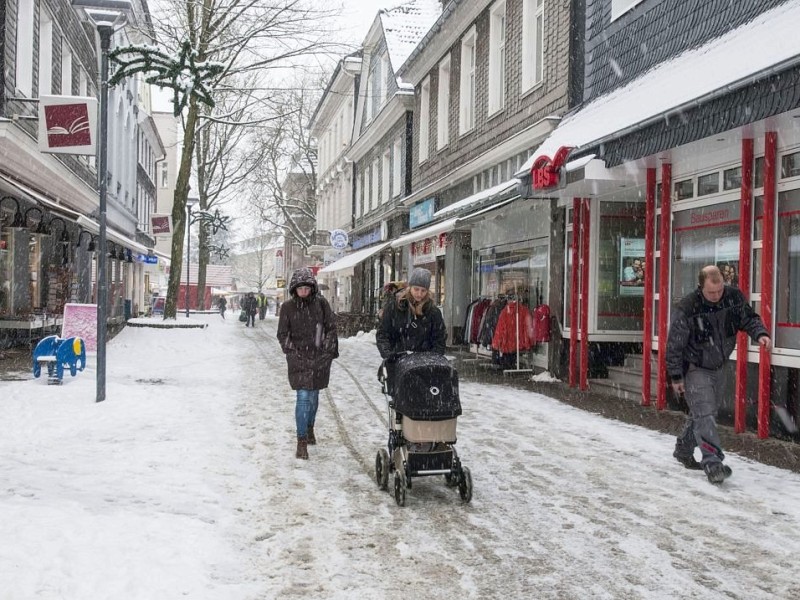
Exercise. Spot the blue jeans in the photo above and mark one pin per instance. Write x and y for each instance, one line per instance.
(305, 410)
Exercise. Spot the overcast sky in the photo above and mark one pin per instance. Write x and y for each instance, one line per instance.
(357, 16)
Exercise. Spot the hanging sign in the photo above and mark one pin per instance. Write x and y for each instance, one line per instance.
(339, 239)
(67, 125)
(161, 225)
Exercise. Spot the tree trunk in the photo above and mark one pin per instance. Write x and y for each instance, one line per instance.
(203, 254)
(179, 212)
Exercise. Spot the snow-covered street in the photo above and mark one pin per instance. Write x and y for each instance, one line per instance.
(183, 484)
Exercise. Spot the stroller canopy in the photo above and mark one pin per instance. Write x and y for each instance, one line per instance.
(426, 387)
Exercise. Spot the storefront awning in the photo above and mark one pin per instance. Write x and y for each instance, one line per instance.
(475, 198)
(39, 198)
(425, 232)
(481, 214)
(351, 260)
(729, 62)
(112, 235)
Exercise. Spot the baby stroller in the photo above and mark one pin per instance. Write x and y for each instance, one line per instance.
(423, 406)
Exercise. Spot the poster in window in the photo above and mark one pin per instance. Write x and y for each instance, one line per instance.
(726, 257)
(631, 266)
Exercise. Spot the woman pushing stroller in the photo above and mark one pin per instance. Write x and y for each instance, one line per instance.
(411, 322)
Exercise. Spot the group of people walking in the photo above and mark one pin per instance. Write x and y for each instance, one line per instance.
(701, 338)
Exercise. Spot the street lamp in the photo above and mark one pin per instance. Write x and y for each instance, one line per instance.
(190, 201)
(107, 16)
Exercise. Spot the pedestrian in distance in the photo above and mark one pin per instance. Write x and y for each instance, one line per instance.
(222, 304)
(250, 308)
(410, 322)
(701, 337)
(307, 335)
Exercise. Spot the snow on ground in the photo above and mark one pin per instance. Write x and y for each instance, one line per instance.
(183, 483)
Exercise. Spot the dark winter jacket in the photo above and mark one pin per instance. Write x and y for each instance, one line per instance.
(401, 329)
(704, 334)
(307, 334)
(250, 304)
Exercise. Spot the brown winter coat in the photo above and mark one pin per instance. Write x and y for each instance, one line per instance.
(307, 334)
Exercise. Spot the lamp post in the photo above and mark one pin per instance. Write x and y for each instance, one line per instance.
(107, 16)
(190, 201)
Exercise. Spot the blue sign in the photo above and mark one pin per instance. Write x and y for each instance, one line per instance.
(421, 213)
(339, 239)
(147, 259)
(367, 239)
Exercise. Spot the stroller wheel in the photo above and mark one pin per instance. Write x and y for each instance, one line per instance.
(382, 469)
(399, 489)
(465, 485)
(450, 480)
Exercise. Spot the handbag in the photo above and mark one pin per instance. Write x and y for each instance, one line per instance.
(243, 316)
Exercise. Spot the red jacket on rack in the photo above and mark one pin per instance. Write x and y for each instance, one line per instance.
(507, 337)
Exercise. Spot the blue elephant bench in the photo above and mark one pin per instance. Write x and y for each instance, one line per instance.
(58, 353)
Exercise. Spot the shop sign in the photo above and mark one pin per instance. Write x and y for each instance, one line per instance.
(421, 213)
(67, 124)
(147, 259)
(279, 266)
(546, 172)
(427, 250)
(367, 239)
(161, 225)
(339, 239)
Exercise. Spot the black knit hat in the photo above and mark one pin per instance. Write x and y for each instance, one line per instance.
(420, 277)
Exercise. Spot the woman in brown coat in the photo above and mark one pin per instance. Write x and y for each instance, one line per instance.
(307, 334)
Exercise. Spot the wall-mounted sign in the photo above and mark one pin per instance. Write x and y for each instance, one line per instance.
(339, 239)
(147, 259)
(421, 213)
(161, 225)
(366, 239)
(67, 125)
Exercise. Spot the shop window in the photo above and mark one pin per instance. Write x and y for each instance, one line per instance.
(708, 184)
(684, 189)
(787, 271)
(758, 172)
(732, 178)
(790, 165)
(704, 236)
(620, 262)
(521, 273)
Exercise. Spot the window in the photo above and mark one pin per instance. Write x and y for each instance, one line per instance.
(373, 184)
(66, 69)
(378, 85)
(397, 156)
(359, 194)
(443, 105)
(620, 7)
(385, 181)
(24, 54)
(790, 165)
(385, 72)
(45, 55)
(532, 43)
(732, 178)
(368, 101)
(497, 57)
(164, 179)
(466, 106)
(424, 119)
(787, 296)
(708, 184)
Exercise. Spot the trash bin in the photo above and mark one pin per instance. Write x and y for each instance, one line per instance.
(126, 309)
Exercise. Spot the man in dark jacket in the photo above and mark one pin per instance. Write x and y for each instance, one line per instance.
(307, 334)
(411, 322)
(250, 308)
(701, 338)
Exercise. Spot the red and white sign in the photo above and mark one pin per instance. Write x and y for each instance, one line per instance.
(161, 225)
(67, 125)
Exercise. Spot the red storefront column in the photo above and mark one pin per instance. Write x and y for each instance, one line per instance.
(573, 294)
(767, 279)
(745, 248)
(649, 264)
(663, 282)
(585, 229)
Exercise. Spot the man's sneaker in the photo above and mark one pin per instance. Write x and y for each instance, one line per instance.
(717, 472)
(687, 461)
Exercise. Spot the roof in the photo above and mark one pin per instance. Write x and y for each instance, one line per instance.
(733, 60)
(405, 25)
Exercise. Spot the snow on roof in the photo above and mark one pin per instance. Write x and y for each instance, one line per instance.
(475, 198)
(749, 50)
(405, 25)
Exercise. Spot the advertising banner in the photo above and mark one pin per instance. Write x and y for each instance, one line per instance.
(631, 267)
(81, 320)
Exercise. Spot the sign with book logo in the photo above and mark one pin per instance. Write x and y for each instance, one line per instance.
(161, 225)
(67, 125)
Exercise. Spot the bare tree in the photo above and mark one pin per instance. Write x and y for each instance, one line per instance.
(244, 36)
(254, 263)
(281, 191)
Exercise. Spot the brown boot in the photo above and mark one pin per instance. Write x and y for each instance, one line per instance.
(302, 448)
(312, 440)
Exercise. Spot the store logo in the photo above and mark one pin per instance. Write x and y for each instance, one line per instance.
(67, 125)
